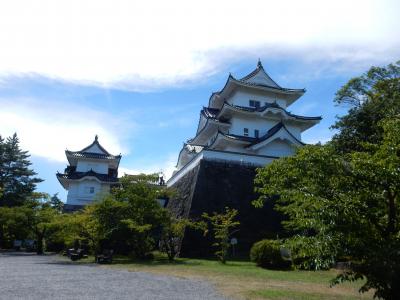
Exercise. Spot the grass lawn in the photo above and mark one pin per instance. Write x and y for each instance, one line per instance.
(243, 280)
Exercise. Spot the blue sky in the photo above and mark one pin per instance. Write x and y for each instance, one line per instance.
(137, 74)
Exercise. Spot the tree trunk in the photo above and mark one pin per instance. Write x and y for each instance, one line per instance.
(40, 244)
(391, 228)
(1, 237)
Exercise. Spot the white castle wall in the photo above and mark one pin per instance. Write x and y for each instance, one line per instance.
(277, 148)
(238, 123)
(242, 97)
(79, 192)
(84, 166)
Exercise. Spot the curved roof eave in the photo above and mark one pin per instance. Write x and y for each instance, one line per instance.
(263, 109)
(231, 137)
(92, 155)
(220, 91)
(208, 119)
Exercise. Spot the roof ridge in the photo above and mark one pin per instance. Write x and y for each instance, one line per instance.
(95, 142)
(259, 68)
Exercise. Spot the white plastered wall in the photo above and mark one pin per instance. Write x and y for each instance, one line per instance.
(241, 97)
(238, 123)
(79, 191)
(277, 147)
(87, 165)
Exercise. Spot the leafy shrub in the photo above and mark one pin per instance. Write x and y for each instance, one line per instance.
(267, 254)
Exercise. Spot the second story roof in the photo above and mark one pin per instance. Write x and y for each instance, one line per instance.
(94, 151)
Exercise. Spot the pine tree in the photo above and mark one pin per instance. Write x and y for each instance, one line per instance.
(17, 181)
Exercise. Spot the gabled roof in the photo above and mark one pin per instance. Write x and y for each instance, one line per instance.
(274, 130)
(79, 154)
(260, 77)
(94, 150)
(260, 80)
(251, 141)
(92, 145)
(267, 106)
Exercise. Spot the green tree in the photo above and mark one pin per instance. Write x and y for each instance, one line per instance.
(142, 216)
(17, 180)
(56, 203)
(342, 205)
(40, 217)
(173, 231)
(304, 187)
(372, 97)
(127, 220)
(222, 226)
(13, 225)
(33, 220)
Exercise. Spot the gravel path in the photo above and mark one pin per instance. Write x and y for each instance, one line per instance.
(27, 276)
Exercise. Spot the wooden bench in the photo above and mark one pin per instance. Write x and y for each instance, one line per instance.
(75, 254)
(105, 257)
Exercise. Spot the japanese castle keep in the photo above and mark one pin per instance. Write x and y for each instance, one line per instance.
(245, 125)
(91, 171)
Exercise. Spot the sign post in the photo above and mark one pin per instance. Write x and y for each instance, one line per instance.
(234, 241)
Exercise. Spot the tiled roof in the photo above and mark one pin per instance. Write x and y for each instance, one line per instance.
(79, 175)
(84, 153)
(263, 81)
(239, 137)
(95, 142)
(267, 79)
(272, 132)
(268, 86)
(253, 140)
(210, 112)
(271, 105)
(80, 154)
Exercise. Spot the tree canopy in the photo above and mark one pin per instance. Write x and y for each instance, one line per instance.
(341, 199)
(17, 180)
(372, 97)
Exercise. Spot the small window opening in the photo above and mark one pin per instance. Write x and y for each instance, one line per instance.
(246, 132)
(256, 133)
(254, 103)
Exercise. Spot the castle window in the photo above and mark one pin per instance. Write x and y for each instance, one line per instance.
(245, 131)
(256, 133)
(89, 189)
(254, 103)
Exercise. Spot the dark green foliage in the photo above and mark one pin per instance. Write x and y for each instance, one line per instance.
(267, 254)
(373, 97)
(33, 220)
(342, 199)
(129, 220)
(17, 180)
(56, 203)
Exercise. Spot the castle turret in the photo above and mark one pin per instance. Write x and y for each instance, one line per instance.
(91, 171)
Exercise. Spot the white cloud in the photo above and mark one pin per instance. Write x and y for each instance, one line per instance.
(145, 44)
(166, 167)
(47, 128)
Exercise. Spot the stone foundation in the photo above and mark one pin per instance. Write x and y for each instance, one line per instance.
(210, 187)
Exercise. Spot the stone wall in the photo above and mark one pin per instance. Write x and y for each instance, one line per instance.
(211, 186)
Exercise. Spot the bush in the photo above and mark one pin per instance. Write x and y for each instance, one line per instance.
(267, 254)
